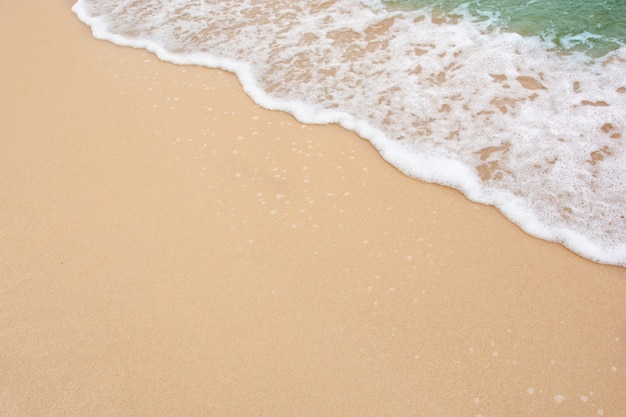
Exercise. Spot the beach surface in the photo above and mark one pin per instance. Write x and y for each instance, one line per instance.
(170, 248)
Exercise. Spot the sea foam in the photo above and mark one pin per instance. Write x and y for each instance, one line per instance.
(537, 133)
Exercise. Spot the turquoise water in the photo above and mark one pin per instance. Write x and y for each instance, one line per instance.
(595, 27)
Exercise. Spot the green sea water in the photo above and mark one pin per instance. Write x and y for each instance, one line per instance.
(595, 27)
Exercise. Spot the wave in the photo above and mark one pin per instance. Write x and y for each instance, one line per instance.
(500, 117)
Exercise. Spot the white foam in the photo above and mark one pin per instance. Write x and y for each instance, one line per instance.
(571, 41)
(497, 116)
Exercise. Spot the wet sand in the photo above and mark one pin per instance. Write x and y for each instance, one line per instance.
(169, 248)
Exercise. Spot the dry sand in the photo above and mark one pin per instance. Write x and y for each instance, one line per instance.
(167, 248)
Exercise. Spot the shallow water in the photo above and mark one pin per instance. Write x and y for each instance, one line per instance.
(595, 27)
(524, 123)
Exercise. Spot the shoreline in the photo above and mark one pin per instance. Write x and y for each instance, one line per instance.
(471, 150)
(172, 248)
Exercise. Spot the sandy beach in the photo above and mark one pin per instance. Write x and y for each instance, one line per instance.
(169, 248)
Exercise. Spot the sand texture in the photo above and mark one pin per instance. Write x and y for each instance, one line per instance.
(168, 248)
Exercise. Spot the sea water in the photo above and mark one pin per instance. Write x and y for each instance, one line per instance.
(593, 26)
(520, 104)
